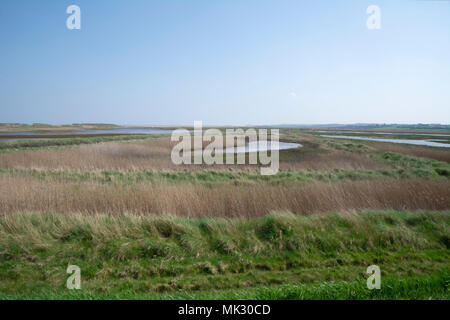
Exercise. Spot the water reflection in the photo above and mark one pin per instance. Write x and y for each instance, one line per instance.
(263, 145)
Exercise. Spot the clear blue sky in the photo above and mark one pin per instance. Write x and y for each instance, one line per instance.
(224, 62)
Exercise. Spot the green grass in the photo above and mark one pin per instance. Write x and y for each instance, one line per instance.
(278, 256)
(207, 177)
(9, 146)
(406, 165)
(435, 286)
(415, 165)
(403, 167)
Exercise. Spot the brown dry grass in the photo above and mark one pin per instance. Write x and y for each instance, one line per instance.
(25, 194)
(154, 154)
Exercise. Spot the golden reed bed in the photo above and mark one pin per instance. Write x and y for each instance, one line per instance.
(18, 194)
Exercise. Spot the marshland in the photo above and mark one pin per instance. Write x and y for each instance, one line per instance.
(108, 191)
(140, 226)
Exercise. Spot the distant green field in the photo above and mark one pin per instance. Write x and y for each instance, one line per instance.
(64, 142)
(44, 126)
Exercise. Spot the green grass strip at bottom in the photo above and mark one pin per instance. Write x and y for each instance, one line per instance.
(435, 286)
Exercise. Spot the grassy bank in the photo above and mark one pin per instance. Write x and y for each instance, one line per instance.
(403, 167)
(276, 256)
(44, 143)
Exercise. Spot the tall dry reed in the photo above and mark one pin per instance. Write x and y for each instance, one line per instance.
(26, 194)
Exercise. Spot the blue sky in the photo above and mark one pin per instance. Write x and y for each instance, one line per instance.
(224, 62)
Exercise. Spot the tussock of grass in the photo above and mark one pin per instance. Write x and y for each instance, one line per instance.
(349, 146)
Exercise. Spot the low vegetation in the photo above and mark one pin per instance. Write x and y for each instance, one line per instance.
(59, 141)
(439, 154)
(318, 256)
(39, 127)
(141, 227)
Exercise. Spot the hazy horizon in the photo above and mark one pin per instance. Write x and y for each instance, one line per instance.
(222, 125)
